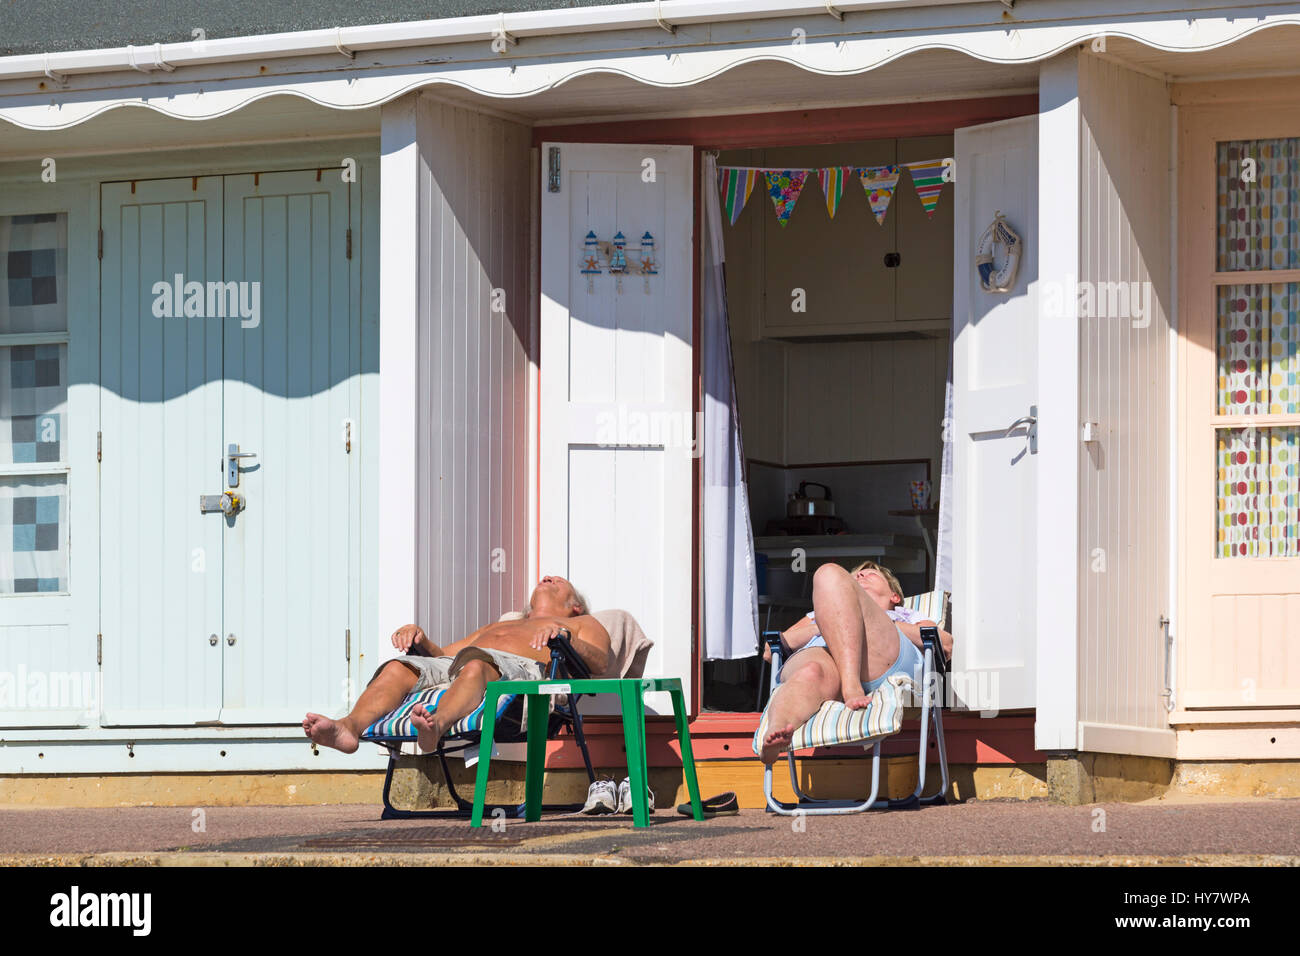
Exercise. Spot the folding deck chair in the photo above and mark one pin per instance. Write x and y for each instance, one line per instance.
(835, 725)
(395, 728)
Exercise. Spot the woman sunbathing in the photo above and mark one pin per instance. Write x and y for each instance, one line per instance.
(855, 638)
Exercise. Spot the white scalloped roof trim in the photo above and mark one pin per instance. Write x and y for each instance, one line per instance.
(518, 78)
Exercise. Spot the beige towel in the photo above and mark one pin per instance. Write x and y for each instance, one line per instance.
(628, 645)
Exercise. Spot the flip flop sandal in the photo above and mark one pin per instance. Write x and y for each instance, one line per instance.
(724, 804)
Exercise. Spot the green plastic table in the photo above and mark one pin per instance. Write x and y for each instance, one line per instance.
(631, 693)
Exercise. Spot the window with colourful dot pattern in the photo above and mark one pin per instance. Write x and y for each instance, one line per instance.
(1258, 331)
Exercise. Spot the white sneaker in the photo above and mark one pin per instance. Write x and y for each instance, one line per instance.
(602, 797)
(625, 797)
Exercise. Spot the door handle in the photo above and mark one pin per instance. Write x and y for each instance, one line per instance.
(1030, 420)
(233, 455)
(1030, 423)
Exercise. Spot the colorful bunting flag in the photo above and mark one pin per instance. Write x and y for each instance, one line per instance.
(878, 182)
(927, 177)
(784, 186)
(736, 185)
(832, 180)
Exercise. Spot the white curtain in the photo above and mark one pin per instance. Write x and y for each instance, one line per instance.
(730, 582)
(943, 550)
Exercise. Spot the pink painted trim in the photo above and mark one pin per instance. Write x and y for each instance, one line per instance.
(969, 739)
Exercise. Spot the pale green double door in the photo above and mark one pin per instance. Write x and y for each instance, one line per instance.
(208, 617)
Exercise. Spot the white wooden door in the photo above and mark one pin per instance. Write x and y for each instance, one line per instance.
(287, 400)
(995, 468)
(209, 618)
(616, 409)
(160, 378)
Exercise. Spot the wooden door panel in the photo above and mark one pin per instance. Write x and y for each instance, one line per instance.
(616, 404)
(287, 401)
(160, 379)
(995, 389)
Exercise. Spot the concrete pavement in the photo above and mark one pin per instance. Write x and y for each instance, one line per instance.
(1265, 832)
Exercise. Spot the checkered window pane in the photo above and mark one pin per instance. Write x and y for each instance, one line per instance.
(33, 534)
(34, 273)
(33, 403)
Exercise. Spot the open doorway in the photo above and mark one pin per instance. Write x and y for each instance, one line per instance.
(840, 321)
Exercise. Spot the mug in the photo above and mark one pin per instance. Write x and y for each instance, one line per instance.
(920, 491)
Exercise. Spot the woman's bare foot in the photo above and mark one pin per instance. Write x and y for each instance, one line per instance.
(855, 698)
(330, 733)
(776, 742)
(428, 732)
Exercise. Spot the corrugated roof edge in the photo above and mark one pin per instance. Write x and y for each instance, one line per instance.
(630, 16)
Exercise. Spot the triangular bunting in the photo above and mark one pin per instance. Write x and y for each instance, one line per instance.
(878, 182)
(832, 180)
(736, 185)
(927, 177)
(784, 186)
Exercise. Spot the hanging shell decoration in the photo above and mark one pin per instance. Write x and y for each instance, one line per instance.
(614, 255)
(995, 278)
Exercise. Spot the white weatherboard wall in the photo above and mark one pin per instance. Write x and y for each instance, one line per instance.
(1124, 387)
(472, 366)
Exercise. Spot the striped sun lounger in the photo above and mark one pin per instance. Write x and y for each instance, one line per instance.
(834, 725)
(396, 734)
(396, 725)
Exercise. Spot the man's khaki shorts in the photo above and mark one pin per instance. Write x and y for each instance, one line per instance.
(431, 671)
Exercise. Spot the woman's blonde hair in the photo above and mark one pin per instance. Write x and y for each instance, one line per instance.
(885, 573)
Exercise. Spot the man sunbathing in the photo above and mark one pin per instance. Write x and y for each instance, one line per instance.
(855, 638)
(506, 650)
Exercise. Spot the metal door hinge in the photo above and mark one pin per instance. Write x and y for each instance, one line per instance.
(553, 170)
(101, 243)
(99, 649)
(347, 437)
(347, 644)
(99, 446)
(349, 242)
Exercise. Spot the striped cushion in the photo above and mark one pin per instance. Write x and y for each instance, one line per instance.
(834, 724)
(397, 724)
(932, 605)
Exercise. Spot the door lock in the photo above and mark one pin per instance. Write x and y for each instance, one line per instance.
(228, 503)
(233, 454)
(230, 640)
(212, 639)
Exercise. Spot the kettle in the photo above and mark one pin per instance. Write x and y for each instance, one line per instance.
(801, 506)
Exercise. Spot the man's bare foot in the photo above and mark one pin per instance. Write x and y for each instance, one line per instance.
(855, 698)
(776, 742)
(428, 733)
(330, 733)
